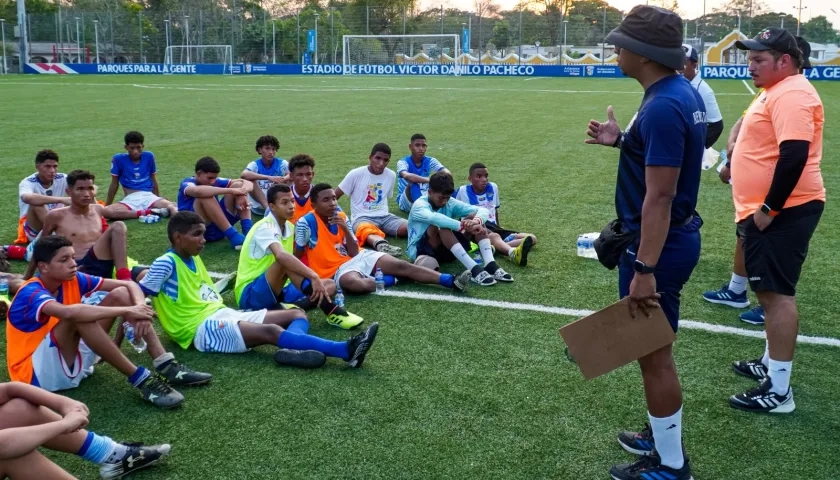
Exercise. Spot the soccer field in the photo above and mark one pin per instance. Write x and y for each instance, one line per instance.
(449, 390)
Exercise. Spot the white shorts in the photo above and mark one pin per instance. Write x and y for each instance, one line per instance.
(52, 372)
(220, 332)
(363, 263)
(140, 200)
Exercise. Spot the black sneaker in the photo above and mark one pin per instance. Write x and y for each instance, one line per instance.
(750, 368)
(139, 456)
(359, 345)
(637, 443)
(300, 358)
(461, 281)
(179, 375)
(155, 390)
(761, 399)
(648, 468)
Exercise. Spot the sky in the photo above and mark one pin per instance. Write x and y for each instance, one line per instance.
(689, 8)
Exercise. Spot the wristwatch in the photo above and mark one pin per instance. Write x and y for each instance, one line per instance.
(769, 211)
(640, 267)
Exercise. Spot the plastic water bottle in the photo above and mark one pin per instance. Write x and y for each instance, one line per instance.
(149, 219)
(138, 343)
(380, 281)
(586, 245)
(477, 258)
(710, 158)
(339, 297)
(4, 286)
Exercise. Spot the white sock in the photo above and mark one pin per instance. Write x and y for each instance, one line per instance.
(765, 360)
(738, 284)
(486, 251)
(463, 256)
(667, 435)
(117, 452)
(163, 359)
(780, 376)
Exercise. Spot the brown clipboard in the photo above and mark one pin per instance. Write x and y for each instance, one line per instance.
(611, 338)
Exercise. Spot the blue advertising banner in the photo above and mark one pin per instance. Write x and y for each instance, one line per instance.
(465, 40)
(741, 72)
(311, 41)
(131, 68)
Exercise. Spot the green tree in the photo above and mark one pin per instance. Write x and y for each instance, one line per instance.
(501, 34)
(819, 30)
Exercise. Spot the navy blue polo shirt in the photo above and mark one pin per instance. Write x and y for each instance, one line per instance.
(669, 130)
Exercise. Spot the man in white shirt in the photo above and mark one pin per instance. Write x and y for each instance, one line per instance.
(39, 193)
(714, 120)
(369, 188)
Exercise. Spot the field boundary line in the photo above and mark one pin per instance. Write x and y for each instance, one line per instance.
(749, 88)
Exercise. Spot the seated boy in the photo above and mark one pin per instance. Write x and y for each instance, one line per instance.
(326, 238)
(483, 193)
(136, 171)
(53, 339)
(302, 171)
(44, 190)
(269, 273)
(192, 313)
(264, 172)
(31, 418)
(369, 188)
(414, 171)
(435, 227)
(200, 193)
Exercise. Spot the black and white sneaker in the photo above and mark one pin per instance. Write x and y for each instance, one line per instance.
(160, 212)
(483, 278)
(648, 467)
(462, 281)
(178, 375)
(154, 389)
(638, 443)
(137, 457)
(359, 345)
(763, 400)
(750, 368)
(300, 358)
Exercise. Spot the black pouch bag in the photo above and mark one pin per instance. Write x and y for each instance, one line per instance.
(612, 242)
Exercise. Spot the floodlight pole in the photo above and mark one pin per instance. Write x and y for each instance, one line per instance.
(3, 42)
(187, 28)
(96, 38)
(316, 37)
(21, 16)
(78, 48)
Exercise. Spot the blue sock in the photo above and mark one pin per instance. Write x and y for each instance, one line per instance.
(447, 280)
(246, 225)
(139, 375)
(302, 341)
(306, 287)
(390, 280)
(301, 325)
(96, 449)
(231, 233)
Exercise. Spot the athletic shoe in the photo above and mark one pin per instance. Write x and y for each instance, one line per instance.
(237, 241)
(300, 358)
(648, 467)
(637, 443)
(391, 250)
(750, 368)
(725, 296)
(754, 316)
(160, 212)
(502, 276)
(180, 375)
(155, 390)
(484, 279)
(347, 321)
(358, 346)
(137, 457)
(462, 281)
(520, 253)
(5, 266)
(5, 303)
(761, 399)
(225, 283)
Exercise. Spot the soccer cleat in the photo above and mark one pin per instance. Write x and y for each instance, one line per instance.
(160, 212)
(461, 282)
(520, 253)
(156, 391)
(762, 400)
(137, 457)
(725, 296)
(754, 316)
(484, 279)
(750, 368)
(300, 358)
(225, 283)
(648, 467)
(346, 321)
(638, 443)
(502, 276)
(391, 250)
(358, 346)
(178, 374)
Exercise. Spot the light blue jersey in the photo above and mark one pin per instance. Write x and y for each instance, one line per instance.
(449, 217)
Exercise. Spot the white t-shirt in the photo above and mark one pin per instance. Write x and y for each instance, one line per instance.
(489, 199)
(368, 193)
(31, 185)
(267, 233)
(712, 110)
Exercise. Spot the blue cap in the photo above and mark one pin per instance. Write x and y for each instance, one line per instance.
(690, 53)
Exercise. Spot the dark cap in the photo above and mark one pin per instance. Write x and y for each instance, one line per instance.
(691, 53)
(805, 48)
(771, 39)
(652, 32)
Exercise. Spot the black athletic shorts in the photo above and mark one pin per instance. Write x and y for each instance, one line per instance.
(441, 253)
(494, 228)
(91, 265)
(775, 256)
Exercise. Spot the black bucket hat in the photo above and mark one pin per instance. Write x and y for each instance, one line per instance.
(652, 32)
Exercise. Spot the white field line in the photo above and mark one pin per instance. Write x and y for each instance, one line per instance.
(570, 312)
(749, 88)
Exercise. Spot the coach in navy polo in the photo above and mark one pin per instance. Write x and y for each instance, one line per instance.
(656, 192)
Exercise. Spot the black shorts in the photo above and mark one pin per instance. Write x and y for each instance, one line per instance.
(441, 253)
(774, 257)
(494, 228)
(91, 265)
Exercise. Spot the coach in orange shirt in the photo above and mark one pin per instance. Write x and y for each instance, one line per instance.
(779, 199)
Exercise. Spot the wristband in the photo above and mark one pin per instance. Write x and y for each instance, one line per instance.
(618, 140)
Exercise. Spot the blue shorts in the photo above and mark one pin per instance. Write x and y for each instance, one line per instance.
(676, 263)
(91, 265)
(258, 295)
(214, 233)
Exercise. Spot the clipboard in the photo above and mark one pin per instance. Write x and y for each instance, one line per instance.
(610, 338)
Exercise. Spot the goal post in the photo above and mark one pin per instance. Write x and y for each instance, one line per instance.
(404, 53)
(200, 54)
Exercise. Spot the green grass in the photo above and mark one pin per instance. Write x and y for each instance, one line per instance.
(449, 390)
